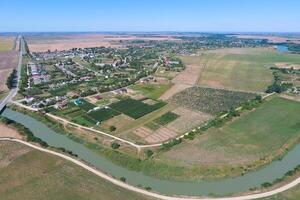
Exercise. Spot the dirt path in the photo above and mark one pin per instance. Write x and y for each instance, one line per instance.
(149, 193)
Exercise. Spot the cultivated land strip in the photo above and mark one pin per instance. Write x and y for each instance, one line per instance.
(137, 146)
(149, 193)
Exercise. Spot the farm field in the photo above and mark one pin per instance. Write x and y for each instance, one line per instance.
(6, 43)
(54, 42)
(210, 100)
(8, 61)
(152, 91)
(246, 69)
(29, 174)
(134, 108)
(257, 135)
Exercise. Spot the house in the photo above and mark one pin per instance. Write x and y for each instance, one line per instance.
(61, 105)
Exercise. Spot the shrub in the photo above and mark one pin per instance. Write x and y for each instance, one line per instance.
(149, 153)
(115, 145)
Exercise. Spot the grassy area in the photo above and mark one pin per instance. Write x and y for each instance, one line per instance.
(152, 91)
(30, 174)
(210, 100)
(248, 70)
(135, 108)
(251, 140)
(103, 114)
(292, 194)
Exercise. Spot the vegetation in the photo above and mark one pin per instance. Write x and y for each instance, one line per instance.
(135, 108)
(115, 145)
(103, 114)
(166, 118)
(44, 176)
(210, 100)
(10, 83)
(264, 134)
(23, 131)
(152, 91)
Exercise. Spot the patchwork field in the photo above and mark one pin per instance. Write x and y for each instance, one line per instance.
(31, 175)
(255, 135)
(238, 69)
(210, 100)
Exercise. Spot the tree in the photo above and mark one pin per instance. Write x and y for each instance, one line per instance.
(112, 128)
(123, 179)
(115, 145)
(149, 153)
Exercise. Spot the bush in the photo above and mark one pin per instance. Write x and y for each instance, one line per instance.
(123, 179)
(115, 145)
(112, 128)
(149, 153)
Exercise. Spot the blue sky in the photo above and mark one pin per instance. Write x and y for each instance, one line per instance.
(150, 15)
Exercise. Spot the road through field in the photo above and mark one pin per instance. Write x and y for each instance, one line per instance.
(149, 193)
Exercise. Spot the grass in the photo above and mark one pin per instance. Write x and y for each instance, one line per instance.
(166, 118)
(135, 108)
(210, 100)
(247, 71)
(84, 120)
(152, 91)
(252, 139)
(36, 175)
(291, 194)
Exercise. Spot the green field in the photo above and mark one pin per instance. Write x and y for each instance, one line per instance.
(246, 70)
(166, 118)
(103, 114)
(33, 175)
(152, 91)
(256, 136)
(135, 108)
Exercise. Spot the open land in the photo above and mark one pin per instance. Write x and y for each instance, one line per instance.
(8, 61)
(243, 69)
(6, 43)
(256, 135)
(30, 174)
(65, 42)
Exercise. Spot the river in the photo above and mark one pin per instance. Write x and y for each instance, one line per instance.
(227, 186)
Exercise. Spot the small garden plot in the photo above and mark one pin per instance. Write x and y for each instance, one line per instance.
(153, 126)
(135, 108)
(210, 100)
(85, 105)
(166, 118)
(103, 114)
(84, 120)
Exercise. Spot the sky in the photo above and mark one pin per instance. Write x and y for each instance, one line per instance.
(150, 15)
